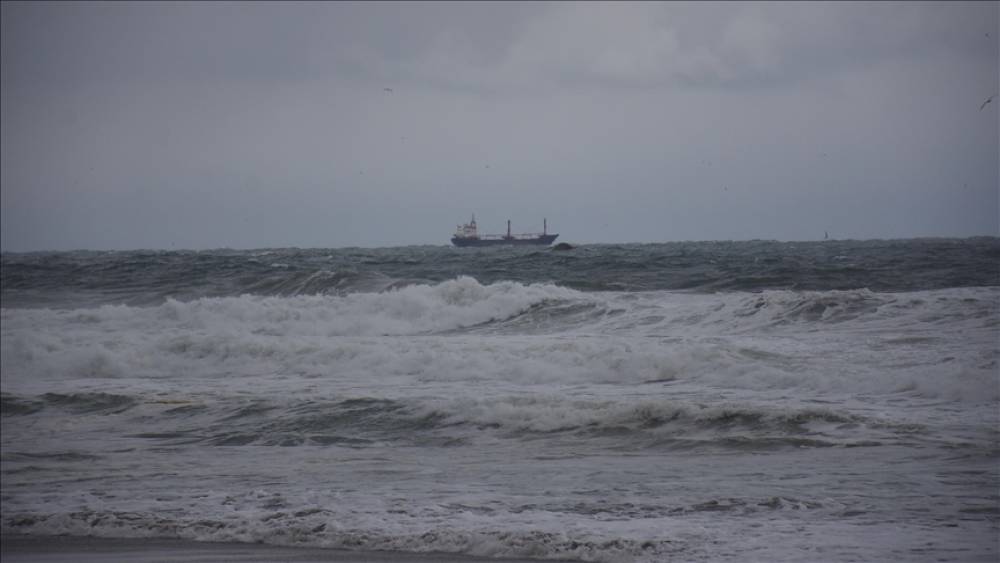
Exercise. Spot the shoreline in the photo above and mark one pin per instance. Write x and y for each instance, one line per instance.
(16, 548)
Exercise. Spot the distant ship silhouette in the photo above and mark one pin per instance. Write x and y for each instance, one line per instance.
(468, 235)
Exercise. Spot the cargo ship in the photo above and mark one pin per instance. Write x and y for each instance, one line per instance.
(467, 235)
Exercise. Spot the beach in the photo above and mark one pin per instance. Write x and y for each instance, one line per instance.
(67, 549)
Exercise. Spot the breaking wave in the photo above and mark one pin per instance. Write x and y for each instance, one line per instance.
(461, 330)
(610, 403)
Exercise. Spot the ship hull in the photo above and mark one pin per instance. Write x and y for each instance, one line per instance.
(503, 241)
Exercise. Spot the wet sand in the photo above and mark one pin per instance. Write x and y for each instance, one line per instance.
(67, 549)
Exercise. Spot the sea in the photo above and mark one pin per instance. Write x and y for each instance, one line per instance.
(690, 401)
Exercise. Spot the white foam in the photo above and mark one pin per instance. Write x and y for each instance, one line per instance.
(493, 361)
(932, 344)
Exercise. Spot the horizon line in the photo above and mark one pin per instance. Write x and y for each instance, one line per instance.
(679, 241)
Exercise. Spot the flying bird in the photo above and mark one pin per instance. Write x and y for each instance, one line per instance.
(388, 90)
(988, 100)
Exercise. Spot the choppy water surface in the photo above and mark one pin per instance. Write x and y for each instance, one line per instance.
(765, 401)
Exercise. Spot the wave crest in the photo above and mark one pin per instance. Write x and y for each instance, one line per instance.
(407, 310)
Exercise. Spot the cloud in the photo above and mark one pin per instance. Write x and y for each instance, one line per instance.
(481, 46)
(608, 111)
(676, 44)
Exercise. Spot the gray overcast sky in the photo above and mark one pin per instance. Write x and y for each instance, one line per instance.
(251, 125)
